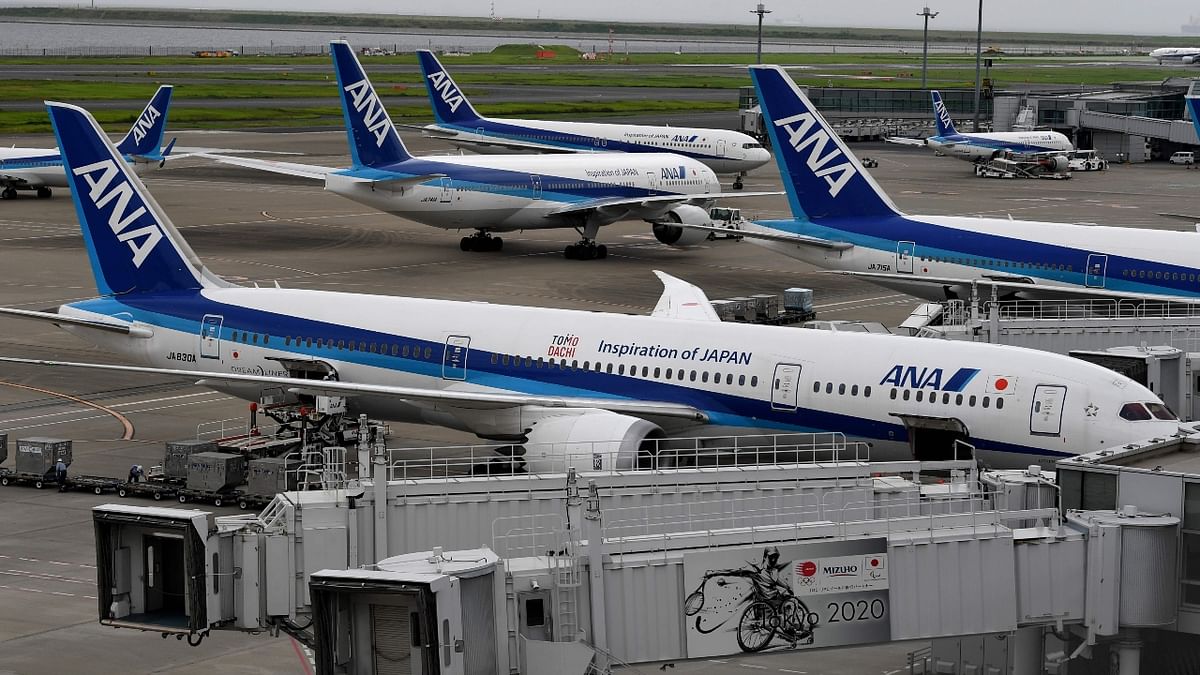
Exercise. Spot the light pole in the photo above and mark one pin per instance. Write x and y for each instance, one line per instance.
(762, 9)
(978, 55)
(925, 49)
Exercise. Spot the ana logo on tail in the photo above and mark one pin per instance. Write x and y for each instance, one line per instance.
(101, 194)
(804, 131)
(943, 114)
(145, 123)
(367, 103)
(444, 86)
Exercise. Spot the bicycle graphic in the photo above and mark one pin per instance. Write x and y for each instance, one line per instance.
(768, 608)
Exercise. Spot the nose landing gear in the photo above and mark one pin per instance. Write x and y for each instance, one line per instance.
(586, 249)
(481, 241)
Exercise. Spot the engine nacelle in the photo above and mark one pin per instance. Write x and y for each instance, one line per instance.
(589, 440)
(673, 235)
(1056, 164)
(1189, 60)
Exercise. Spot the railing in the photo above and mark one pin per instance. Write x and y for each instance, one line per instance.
(599, 457)
(215, 430)
(528, 536)
(920, 661)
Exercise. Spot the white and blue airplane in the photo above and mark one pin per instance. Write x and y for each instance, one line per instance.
(505, 193)
(552, 379)
(722, 150)
(978, 147)
(1184, 55)
(41, 170)
(843, 221)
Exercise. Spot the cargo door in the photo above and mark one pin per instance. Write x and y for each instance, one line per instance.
(210, 336)
(785, 386)
(1045, 417)
(454, 359)
(391, 640)
(447, 186)
(1097, 268)
(905, 250)
(535, 183)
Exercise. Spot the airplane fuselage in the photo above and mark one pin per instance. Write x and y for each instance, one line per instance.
(745, 378)
(982, 146)
(34, 168)
(525, 192)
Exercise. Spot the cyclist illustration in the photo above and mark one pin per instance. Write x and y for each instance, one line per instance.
(763, 603)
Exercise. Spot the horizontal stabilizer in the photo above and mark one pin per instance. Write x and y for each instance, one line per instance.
(774, 235)
(900, 140)
(108, 325)
(633, 202)
(1016, 284)
(310, 171)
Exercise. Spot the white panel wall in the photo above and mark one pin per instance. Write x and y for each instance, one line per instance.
(644, 618)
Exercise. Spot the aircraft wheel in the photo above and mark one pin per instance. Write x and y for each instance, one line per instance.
(465, 244)
(569, 251)
(737, 185)
(8, 193)
(44, 193)
(601, 252)
(497, 243)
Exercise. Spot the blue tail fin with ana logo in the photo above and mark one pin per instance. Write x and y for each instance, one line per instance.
(132, 245)
(450, 105)
(1193, 104)
(373, 138)
(822, 177)
(146, 135)
(941, 116)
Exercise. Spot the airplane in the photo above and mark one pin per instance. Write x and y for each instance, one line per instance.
(41, 170)
(556, 379)
(723, 151)
(1184, 55)
(978, 147)
(842, 220)
(505, 193)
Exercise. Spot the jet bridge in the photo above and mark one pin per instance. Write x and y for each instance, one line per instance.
(598, 569)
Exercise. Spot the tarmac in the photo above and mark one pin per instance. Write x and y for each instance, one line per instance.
(256, 228)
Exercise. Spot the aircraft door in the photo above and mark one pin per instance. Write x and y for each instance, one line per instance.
(905, 250)
(1045, 418)
(785, 386)
(447, 186)
(210, 336)
(652, 180)
(536, 183)
(454, 359)
(720, 147)
(1097, 267)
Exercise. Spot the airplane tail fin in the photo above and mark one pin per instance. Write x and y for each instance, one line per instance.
(373, 138)
(450, 105)
(145, 137)
(941, 116)
(1193, 104)
(132, 245)
(822, 177)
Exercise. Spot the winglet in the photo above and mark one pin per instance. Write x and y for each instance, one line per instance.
(373, 138)
(681, 300)
(941, 116)
(145, 136)
(822, 177)
(450, 105)
(132, 245)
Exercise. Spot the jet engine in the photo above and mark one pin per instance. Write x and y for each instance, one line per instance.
(673, 235)
(1055, 164)
(587, 439)
(1189, 60)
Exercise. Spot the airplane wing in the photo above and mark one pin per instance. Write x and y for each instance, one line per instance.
(512, 144)
(15, 181)
(797, 239)
(460, 398)
(1194, 219)
(286, 168)
(681, 300)
(693, 200)
(109, 325)
(899, 140)
(1014, 283)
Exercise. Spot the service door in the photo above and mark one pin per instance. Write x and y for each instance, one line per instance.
(721, 147)
(210, 336)
(785, 386)
(1045, 417)
(454, 360)
(447, 187)
(536, 183)
(1097, 266)
(905, 250)
(652, 180)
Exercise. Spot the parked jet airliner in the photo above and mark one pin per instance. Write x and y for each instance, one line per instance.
(504, 193)
(977, 147)
(842, 220)
(724, 151)
(1184, 55)
(541, 376)
(40, 169)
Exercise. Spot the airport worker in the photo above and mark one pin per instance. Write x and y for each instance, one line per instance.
(60, 471)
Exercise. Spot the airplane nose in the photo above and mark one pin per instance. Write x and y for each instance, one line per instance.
(760, 155)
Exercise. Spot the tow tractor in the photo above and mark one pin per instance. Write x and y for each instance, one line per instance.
(1086, 160)
(727, 219)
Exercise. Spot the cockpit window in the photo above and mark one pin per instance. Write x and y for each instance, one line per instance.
(1134, 412)
(1161, 411)
(751, 146)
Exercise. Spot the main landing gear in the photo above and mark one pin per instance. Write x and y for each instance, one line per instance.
(586, 249)
(43, 193)
(481, 241)
(8, 193)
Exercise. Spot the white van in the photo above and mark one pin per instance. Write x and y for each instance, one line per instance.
(1183, 158)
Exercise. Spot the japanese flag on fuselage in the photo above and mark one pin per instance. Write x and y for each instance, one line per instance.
(1001, 384)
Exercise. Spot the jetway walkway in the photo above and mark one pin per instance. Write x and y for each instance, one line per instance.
(1175, 131)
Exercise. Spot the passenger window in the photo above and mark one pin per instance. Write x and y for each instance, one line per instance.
(266, 339)
(692, 376)
(704, 376)
(867, 391)
(645, 371)
(404, 353)
(828, 387)
(945, 399)
(958, 399)
(428, 351)
(728, 378)
(374, 348)
(754, 381)
(999, 403)
(621, 369)
(586, 364)
(341, 344)
(495, 358)
(920, 395)
(396, 350)
(906, 394)
(971, 401)
(287, 341)
(670, 371)
(893, 396)
(319, 342)
(854, 390)
(528, 362)
(503, 359)
(986, 401)
(656, 373)
(741, 379)
(608, 368)
(541, 363)
(842, 389)
(308, 342)
(574, 364)
(816, 387)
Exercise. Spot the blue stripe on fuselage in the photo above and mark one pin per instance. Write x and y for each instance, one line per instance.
(1024, 257)
(183, 311)
(565, 140)
(993, 144)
